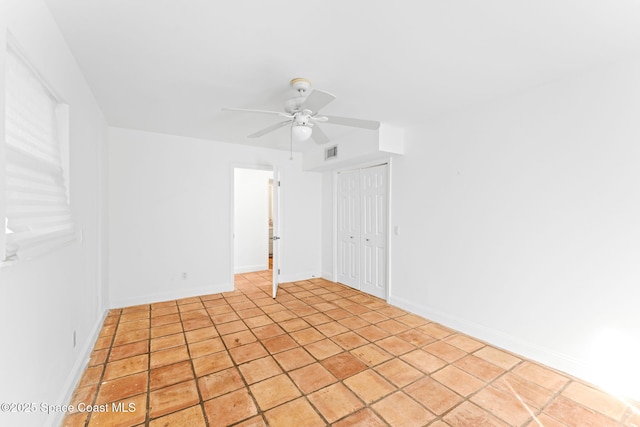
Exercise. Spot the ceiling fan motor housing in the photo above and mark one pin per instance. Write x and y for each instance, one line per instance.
(300, 84)
(292, 105)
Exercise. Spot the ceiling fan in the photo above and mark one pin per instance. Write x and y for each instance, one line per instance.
(301, 113)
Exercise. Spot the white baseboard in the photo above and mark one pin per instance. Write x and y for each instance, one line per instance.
(69, 386)
(295, 277)
(168, 296)
(497, 338)
(250, 268)
(328, 275)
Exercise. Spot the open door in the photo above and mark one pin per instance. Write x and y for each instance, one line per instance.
(276, 231)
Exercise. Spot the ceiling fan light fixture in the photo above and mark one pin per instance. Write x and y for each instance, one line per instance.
(301, 132)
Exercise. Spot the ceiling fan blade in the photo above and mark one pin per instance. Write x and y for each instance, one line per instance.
(357, 123)
(269, 129)
(319, 136)
(244, 110)
(317, 100)
(318, 118)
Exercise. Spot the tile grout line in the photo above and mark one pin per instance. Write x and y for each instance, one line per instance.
(316, 360)
(299, 304)
(552, 399)
(193, 368)
(288, 333)
(148, 400)
(341, 381)
(287, 373)
(201, 402)
(104, 368)
(237, 367)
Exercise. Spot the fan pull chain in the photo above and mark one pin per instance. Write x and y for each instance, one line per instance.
(291, 141)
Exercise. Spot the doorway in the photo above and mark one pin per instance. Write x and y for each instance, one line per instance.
(362, 229)
(253, 220)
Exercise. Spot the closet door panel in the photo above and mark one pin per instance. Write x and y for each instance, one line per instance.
(349, 228)
(374, 230)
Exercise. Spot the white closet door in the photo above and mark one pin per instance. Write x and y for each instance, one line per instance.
(349, 228)
(373, 185)
(362, 202)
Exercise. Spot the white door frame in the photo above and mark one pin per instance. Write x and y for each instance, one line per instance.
(277, 231)
(264, 167)
(389, 163)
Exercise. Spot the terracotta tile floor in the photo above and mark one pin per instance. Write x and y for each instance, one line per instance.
(320, 354)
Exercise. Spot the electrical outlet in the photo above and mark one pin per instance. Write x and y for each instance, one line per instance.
(184, 275)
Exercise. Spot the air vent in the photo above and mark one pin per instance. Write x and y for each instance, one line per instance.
(331, 153)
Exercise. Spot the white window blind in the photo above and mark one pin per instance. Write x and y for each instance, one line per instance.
(38, 217)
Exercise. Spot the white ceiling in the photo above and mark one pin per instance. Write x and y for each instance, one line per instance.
(170, 66)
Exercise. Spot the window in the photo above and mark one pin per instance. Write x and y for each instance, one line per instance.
(38, 217)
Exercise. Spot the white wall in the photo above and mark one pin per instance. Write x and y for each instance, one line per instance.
(520, 223)
(170, 212)
(329, 247)
(43, 301)
(251, 219)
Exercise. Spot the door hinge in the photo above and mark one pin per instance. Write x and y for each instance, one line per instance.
(278, 271)
(279, 184)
